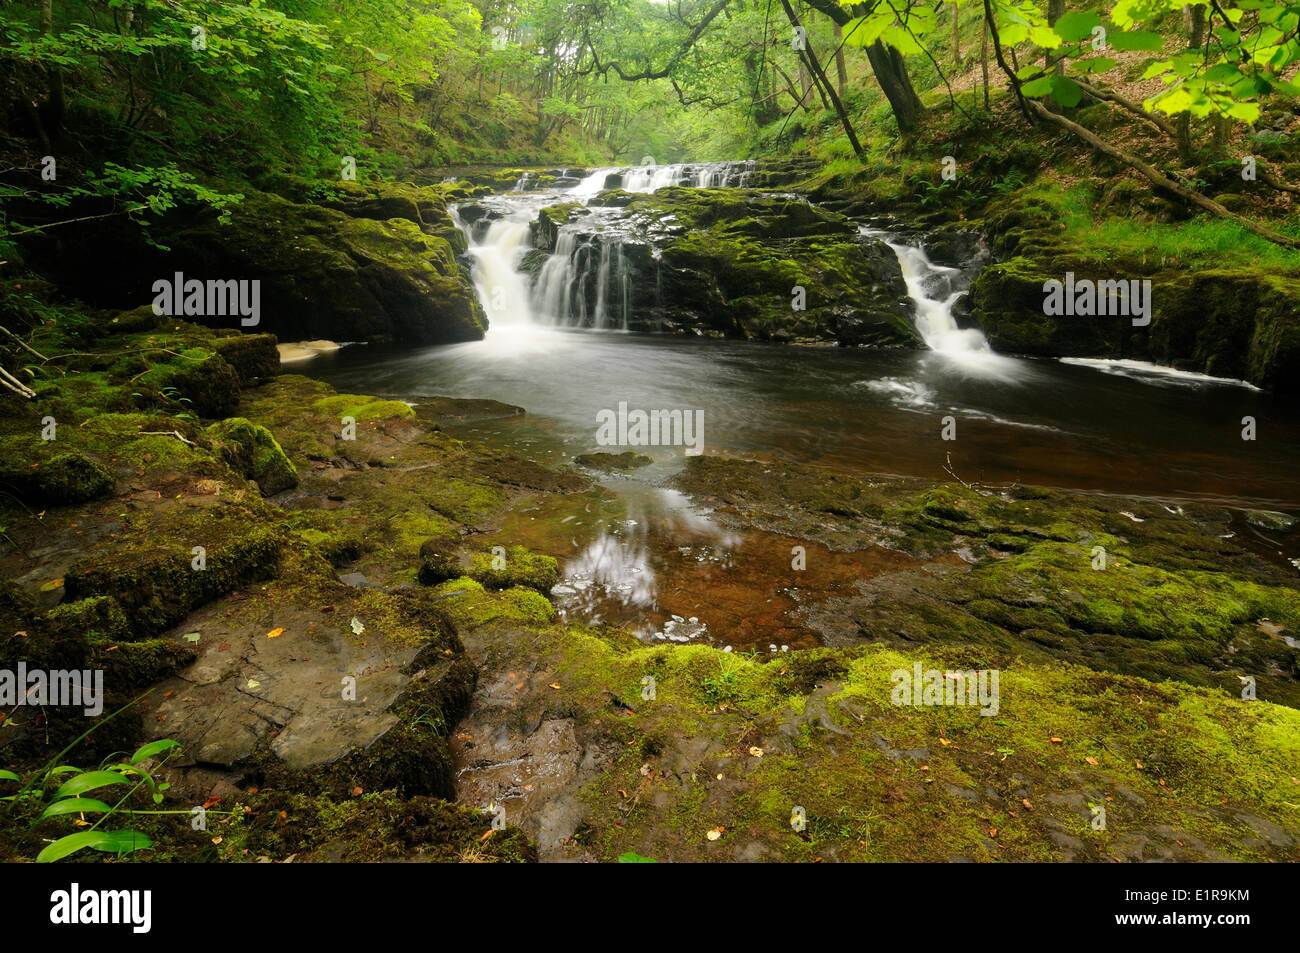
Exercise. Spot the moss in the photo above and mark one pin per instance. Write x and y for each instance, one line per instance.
(58, 477)
(469, 604)
(149, 568)
(199, 378)
(97, 619)
(613, 461)
(252, 451)
(362, 408)
(515, 567)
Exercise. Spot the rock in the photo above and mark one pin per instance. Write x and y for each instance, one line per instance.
(253, 452)
(613, 461)
(45, 476)
(323, 272)
(253, 356)
(515, 567)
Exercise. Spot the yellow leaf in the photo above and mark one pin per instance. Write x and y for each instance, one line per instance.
(756, 751)
(1091, 760)
(555, 684)
(713, 834)
(1056, 741)
(274, 632)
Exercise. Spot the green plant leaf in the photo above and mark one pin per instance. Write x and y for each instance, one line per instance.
(88, 782)
(116, 842)
(633, 858)
(9, 776)
(75, 805)
(153, 748)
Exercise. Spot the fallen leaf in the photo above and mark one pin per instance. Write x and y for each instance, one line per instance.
(719, 777)
(925, 767)
(52, 585)
(555, 684)
(486, 835)
(356, 792)
(217, 840)
(212, 799)
(713, 834)
(274, 633)
(253, 684)
(756, 751)
(993, 832)
(1139, 767)
(169, 693)
(622, 794)
(357, 626)
(945, 742)
(191, 636)
(1090, 760)
(1056, 741)
(1025, 802)
(253, 789)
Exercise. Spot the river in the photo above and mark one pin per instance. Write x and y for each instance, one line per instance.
(1090, 426)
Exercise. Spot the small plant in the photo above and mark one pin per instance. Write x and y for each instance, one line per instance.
(73, 786)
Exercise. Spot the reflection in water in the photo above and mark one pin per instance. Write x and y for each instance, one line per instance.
(612, 578)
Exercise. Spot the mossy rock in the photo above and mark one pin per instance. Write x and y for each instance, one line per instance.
(253, 356)
(151, 569)
(200, 379)
(517, 566)
(613, 461)
(58, 477)
(439, 560)
(99, 618)
(253, 452)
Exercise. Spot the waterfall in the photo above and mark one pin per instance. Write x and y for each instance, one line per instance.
(934, 290)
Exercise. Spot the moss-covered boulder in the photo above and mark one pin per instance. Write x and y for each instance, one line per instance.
(323, 273)
(253, 451)
(253, 356)
(40, 473)
(505, 567)
(165, 564)
(198, 377)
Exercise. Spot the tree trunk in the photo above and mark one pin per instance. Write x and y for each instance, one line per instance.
(891, 74)
(1194, 19)
(819, 76)
(891, 71)
(52, 110)
(984, 57)
(841, 74)
(956, 37)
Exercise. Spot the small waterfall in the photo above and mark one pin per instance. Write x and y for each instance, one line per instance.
(568, 283)
(934, 290)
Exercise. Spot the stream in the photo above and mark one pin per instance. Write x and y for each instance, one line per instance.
(649, 559)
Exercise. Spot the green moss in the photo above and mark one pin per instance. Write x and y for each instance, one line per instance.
(469, 604)
(362, 408)
(252, 451)
(58, 477)
(515, 567)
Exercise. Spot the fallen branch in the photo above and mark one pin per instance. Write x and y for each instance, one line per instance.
(168, 433)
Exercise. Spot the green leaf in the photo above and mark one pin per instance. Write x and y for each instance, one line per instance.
(9, 776)
(75, 805)
(1075, 26)
(88, 782)
(1097, 64)
(1066, 91)
(1136, 40)
(1045, 37)
(1037, 87)
(116, 842)
(633, 858)
(153, 748)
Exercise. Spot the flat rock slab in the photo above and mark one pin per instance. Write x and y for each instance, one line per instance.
(251, 684)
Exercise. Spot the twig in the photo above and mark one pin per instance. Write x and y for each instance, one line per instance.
(168, 433)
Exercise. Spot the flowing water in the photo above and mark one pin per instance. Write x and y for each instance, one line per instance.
(646, 557)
